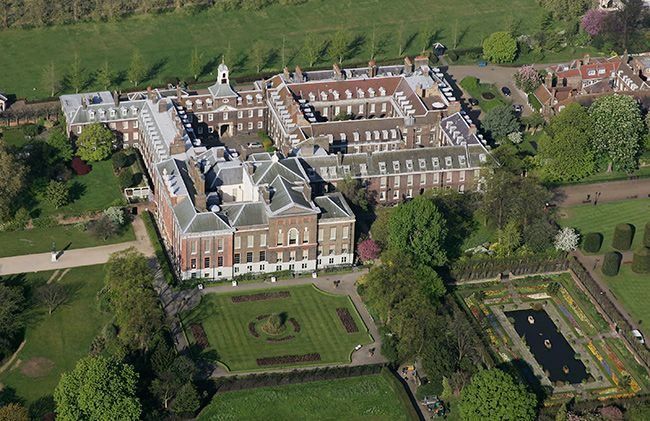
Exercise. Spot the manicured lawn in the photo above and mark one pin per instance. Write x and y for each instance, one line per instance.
(321, 331)
(39, 240)
(604, 217)
(178, 32)
(633, 291)
(476, 90)
(54, 343)
(13, 137)
(92, 192)
(355, 398)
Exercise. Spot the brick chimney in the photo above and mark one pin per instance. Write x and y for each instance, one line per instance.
(151, 95)
(586, 59)
(177, 146)
(84, 102)
(116, 98)
(421, 61)
(266, 194)
(408, 65)
(287, 75)
(307, 190)
(372, 68)
(194, 169)
(548, 79)
(337, 71)
(179, 93)
(298, 74)
(162, 106)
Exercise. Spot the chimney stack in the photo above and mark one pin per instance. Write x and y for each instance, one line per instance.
(162, 106)
(287, 75)
(549, 80)
(151, 95)
(299, 76)
(84, 102)
(337, 71)
(179, 93)
(372, 68)
(177, 146)
(408, 66)
(200, 201)
(116, 98)
(421, 61)
(266, 195)
(307, 190)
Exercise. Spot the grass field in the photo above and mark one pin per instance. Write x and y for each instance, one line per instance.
(355, 398)
(633, 291)
(166, 41)
(39, 240)
(604, 218)
(476, 89)
(54, 343)
(92, 192)
(321, 331)
(13, 137)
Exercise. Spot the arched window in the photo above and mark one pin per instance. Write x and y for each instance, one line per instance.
(293, 236)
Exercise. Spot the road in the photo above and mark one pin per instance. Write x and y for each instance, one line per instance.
(76, 257)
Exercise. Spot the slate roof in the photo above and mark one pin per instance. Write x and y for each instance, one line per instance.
(245, 214)
(333, 206)
(286, 196)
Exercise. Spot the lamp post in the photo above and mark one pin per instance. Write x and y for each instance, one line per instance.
(54, 253)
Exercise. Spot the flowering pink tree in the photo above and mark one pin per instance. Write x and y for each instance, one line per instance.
(593, 21)
(368, 250)
(527, 78)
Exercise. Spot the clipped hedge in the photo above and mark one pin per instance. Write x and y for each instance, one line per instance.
(641, 260)
(612, 263)
(623, 236)
(646, 235)
(592, 242)
(485, 267)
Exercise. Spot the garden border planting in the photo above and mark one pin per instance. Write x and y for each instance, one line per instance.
(262, 296)
(346, 319)
(199, 335)
(288, 359)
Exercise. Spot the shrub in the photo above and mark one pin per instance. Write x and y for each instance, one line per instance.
(641, 260)
(452, 56)
(115, 214)
(623, 235)
(31, 130)
(592, 242)
(103, 228)
(646, 235)
(612, 263)
(428, 389)
(44, 222)
(79, 166)
(57, 194)
(119, 160)
(126, 179)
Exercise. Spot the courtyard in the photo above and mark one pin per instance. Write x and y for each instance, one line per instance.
(551, 324)
(275, 328)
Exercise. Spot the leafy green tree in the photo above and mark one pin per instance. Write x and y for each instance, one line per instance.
(493, 394)
(339, 47)
(538, 235)
(138, 69)
(50, 79)
(186, 401)
(509, 238)
(561, 414)
(618, 130)
(13, 173)
(57, 193)
(379, 230)
(58, 140)
(419, 228)
(105, 76)
(500, 47)
(13, 412)
(196, 63)
(95, 143)
(312, 49)
(354, 192)
(565, 150)
(77, 76)
(259, 54)
(13, 304)
(98, 388)
(500, 121)
(135, 303)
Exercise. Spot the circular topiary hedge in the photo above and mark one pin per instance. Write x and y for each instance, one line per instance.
(646, 235)
(623, 235)
(641, 260)
(612, 263)
(592, 242)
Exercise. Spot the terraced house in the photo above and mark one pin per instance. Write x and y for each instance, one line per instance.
(224, 213)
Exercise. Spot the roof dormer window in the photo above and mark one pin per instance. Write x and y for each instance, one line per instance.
(423, 164)
(382, 168)
(396, 166)
(409, 165)
(448, 161)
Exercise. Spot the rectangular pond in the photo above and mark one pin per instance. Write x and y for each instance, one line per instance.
(549, 347)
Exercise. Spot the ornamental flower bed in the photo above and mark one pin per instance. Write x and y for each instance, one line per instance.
(262, 296)
(295, 324)
(347, 320)
(282, 339)
(288, 359)
(199, 336)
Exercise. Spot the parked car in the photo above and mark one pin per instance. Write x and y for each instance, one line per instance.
(517, 108)
(254, 145)
(482, 63)
(506, 91)
(473, 101)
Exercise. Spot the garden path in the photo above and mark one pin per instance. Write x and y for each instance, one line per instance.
(610, 191)
(77, 257)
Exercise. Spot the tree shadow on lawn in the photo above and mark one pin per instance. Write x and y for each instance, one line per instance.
(77, 190)
(520, 368)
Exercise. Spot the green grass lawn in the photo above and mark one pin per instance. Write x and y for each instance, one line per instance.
(604, 217)
(178, 32)
(355, 398)
(39, 240)
(321, 331)
(92, 192)
(633, 291)
(13, 137)
(475, 89)
(60, 339)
